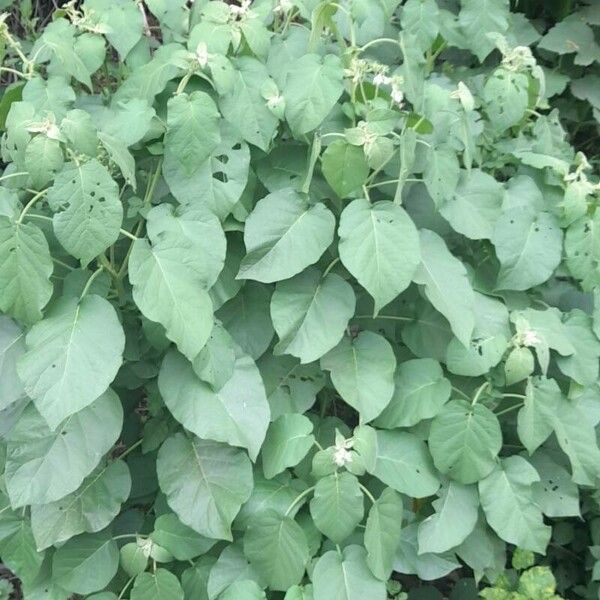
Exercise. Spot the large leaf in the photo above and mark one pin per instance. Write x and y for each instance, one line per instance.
(226, 415)
(454, 518)
(312, 88)
(337, 506)
(529, 248)
(36, 456)
(310, 313)
(399, 459)
(205, 483)
(277, 548)
(382, 533)
(88, 211)
(507, 500)
(12, 346)
(160, 585)
(192, 130)
(362, 371)
(477, 18)
(346, 576)
(446, 285)
(284, 234)
(168, 287)
(25, 269)
(179, 539)
(465, 440)
(88, 509)
(380, 247)
(72, 356)
(345, 167)
(420, 392)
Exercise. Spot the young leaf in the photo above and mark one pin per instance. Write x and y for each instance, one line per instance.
(72, 356)
(277, 548)
(465, 440)
(205, 483)
(12, 347)
(345, 167)
(310, 313)
(379, 246)
(284, 234)
(179, 539)
(362, 371)
(160, 585)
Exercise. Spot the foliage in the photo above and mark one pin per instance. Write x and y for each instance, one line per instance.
(299, 300)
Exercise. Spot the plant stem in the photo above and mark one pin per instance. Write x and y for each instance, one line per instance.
(479, 391)
(130, 449)
(129, 582)
(367, 493)
(126, 233)
(90, 281)
(514, 396)
(465, 396)
(332, 264)
(509, 409)
(390, 317)
(30, 204)
(10, 175)
(298, 498)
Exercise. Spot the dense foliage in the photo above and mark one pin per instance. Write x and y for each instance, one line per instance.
(300, 299)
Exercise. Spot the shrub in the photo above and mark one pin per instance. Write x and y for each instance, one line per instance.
(300, 300)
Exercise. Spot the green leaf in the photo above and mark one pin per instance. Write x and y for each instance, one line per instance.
(277, 548)
(528, 246)
(45, 158)
(337, 506)
(196, 229)
(134, 557)
(246, 318)
(123, 24)
(420, 392)
(25, 269)
(572, 35)
(224, 415)
(72, 356)
(288, 440)
(477, 18)
(345, 167)
(362, 371)
(454, 518)
(507, 501)
(446, 286)
(420, 18)
(506, 96)
(465, 440)
(230, 567)
(160, 585)
(245, 108)
(205, 483)
(346, 576)
(441, 174)
(192, 129)
(382, 533)
(243, 590)
(475, 206)
(379, 246)
(90, 508)
(194, 580)
(312, 88)
(535, 419)
(216, 183)
(168, 287)
(215, 363)
(88, 211)
(582, 249)
(86, 563)
(36, 456)
(12, 347)
(399, 459)
(179, 539)
(283, 235)
(310, 313)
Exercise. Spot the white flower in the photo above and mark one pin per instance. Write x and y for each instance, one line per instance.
(381, 79)
(283, 6)
(275, 101)
(530, 338)
(342, 456)
(239, 11)
(202, 54)
(397, 96)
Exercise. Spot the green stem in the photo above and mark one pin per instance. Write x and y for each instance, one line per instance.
(184, 81)
(61, 263)
(90, 281)
(11, 175)
(40, 217)
(126, 233)
(13, 71)
(312, 161)
(367, 493)
(379, 41)
(30, 204)
(514, 396)
(130, 449)
(509, 409)
(332, 264)
(126, 536)
(465, 396)
(479, 391)
(124, 590)
(298, 499)
(389, 317)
